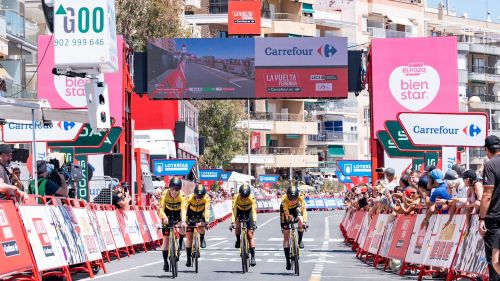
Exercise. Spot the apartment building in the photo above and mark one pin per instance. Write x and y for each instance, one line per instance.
(20, 23)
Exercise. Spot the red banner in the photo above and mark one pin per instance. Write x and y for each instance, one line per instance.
(356, 226)
(243, 17)
(402, 236)
(15, 253)
(301, 82)
(255, 143)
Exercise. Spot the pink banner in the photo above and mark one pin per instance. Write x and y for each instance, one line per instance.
(413, 74)
(68, 93)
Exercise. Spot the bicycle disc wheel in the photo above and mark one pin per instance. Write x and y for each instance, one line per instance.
(196, 249)
(243, 249)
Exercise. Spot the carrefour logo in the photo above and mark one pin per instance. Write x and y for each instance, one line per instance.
(327, 50)
(472, 130)
(84, 19)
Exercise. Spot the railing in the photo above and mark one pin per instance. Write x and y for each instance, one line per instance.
(270, 116)
(291, 17)
(484, 69)
(3, 27)
(20, 27)
(330, 136)
(485, 98)
(377, 32)
(269, 150)
(477, 153)
(11, 89)
(335, 106)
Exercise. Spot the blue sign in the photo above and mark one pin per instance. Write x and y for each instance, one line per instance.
(268, 178)
(225, 176)
(210, 174)
(173, 167)
(355, 168)
(342, 178)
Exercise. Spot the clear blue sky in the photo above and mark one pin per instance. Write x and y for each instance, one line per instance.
(476, 9)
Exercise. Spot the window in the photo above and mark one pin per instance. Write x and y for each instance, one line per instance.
(478, 65)
(217, 7)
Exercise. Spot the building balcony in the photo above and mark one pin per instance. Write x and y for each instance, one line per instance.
(485, 49)
(295, 157)
(21, 29)
(334, 108)
(285, 23)
(487, 102)
(334, 138)
(377, 32)
(4, 42)
(483, 73)
(281, 123)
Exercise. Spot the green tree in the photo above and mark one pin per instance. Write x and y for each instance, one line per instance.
(217, 122)
(140, 20)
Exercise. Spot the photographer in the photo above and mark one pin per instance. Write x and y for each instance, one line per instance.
(46, 186)
(120, 198)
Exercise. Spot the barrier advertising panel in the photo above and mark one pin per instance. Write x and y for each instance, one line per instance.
(132, 227)
(385, 246)
(15, 252)
(107, 234)
(97, 230)
(151, 225)
(422, 78)
(402, 236)
(241, 68)
(471, 257)
(144, 229)
(444, 244)
(356, 226)
(370, 233)
(364, 230)
(115, 229)
(378, 233)
(420, 240)
(42, 237)
(87, 234)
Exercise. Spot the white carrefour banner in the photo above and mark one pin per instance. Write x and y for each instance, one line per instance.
(43, 237)
(16, 131)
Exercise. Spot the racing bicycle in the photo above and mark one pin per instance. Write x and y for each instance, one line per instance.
(294, 247)
(196, 243)
(244, 244)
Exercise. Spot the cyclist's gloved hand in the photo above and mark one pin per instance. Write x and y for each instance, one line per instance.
(231, 227)
(165, 221)
(254, 225)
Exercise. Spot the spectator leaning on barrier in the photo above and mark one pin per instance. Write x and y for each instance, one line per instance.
(47, 187)
(11, 189)
(15, 178)
(390, 181)
(5, 158)
(474, 191)
(489, 213)
(439, 189)
(119, 198)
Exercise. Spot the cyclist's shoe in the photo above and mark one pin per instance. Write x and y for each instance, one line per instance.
(237, 244)
(203, 244)
(301, 245)
(188, 263)
(252, 261)
(165, 266)
(288, 265)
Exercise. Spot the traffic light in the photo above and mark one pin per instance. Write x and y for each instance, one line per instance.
(98, 105)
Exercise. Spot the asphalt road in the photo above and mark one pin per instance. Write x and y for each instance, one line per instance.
(324, 258)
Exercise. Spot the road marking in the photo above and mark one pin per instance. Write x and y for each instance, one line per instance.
(320, 265)
(213, 245)
(225, 79)
(216, 238)
(275, 239)
(268, 221)
(122, 271)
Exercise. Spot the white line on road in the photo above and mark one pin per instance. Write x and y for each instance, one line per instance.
(268, 221)
(319, 266)
(213, 245)
(122, 271)
(229, 81)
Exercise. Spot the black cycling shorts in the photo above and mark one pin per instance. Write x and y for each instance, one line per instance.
(171, 215)
(243, 215)
(295, 212)
(193, 218)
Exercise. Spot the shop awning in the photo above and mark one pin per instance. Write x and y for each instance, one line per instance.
(400, 20)
(336, 151)
(307, 8)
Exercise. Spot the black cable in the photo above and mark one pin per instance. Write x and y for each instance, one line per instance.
(36, 70)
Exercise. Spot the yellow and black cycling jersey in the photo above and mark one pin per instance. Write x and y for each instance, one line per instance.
(300, 203)
(199, 206)
(171, 204)
(244, 205)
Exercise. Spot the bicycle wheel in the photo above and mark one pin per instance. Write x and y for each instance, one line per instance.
(173, 255)
(243, 250)
(196, 250)
(296, 254)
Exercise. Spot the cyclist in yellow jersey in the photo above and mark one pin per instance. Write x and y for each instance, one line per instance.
(198, 214)
(172, 206)
(245, 206)
(292, 207)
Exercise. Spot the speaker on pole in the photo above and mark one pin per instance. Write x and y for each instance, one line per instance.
(180, 131)
(113, 165)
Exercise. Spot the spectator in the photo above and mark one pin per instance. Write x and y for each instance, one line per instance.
(439, 189)
(119, 198)
(15, 178)
(390, 181)
(489, 213)
(10, 189)
(5, 158)
(474, 191)
(414, 180)
(460, 169)
(47, 187)
(496, 254)
(307, 179)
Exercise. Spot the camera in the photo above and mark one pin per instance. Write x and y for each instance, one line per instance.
(70, 172)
